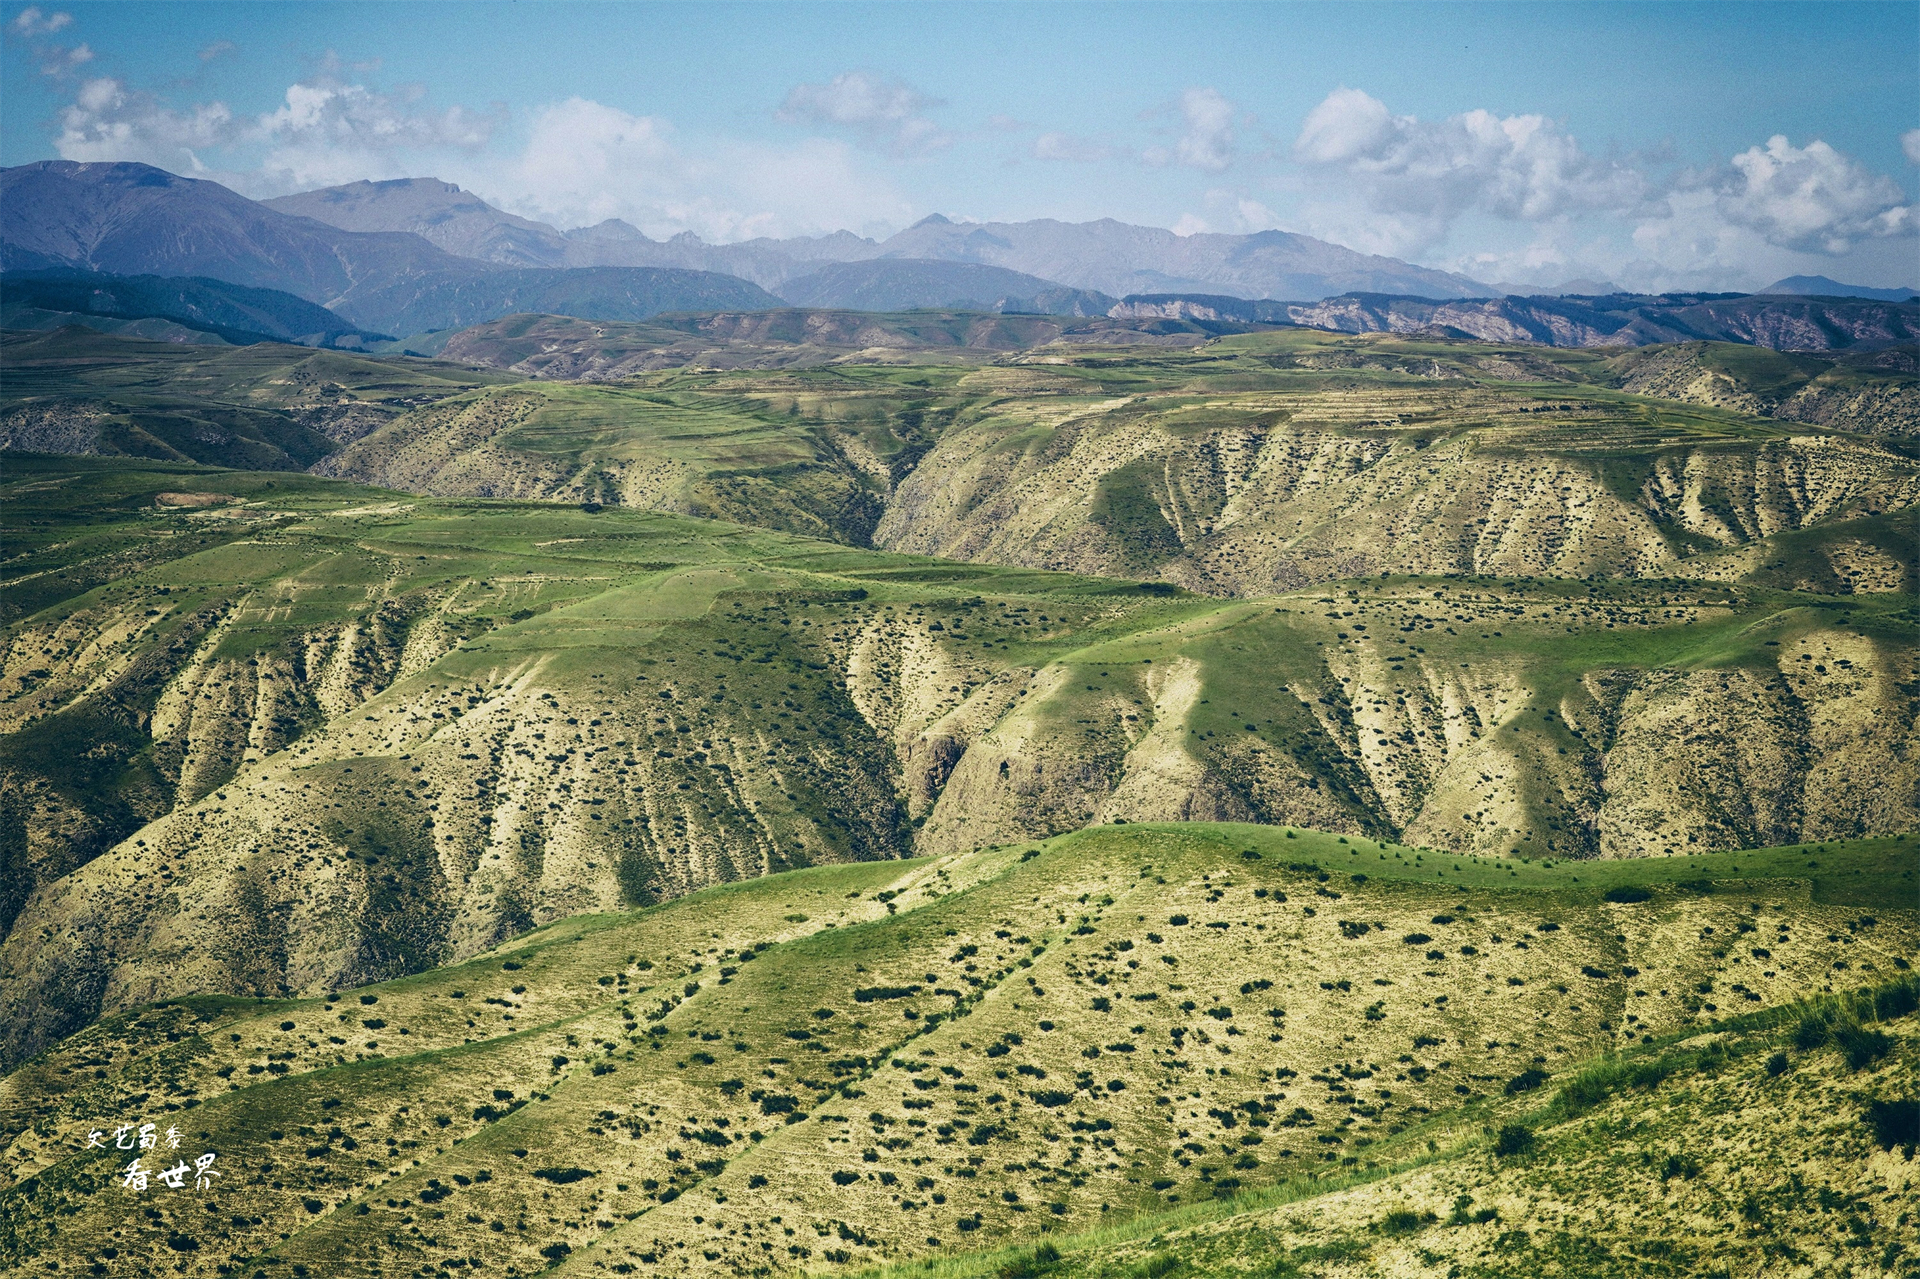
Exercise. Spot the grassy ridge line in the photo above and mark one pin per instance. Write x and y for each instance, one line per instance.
(771, 890)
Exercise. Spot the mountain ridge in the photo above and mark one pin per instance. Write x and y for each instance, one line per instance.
(1105, 255)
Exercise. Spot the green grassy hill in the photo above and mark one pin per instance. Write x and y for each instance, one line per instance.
(1174, 1049)
(265, 733)
(261, 407)
(1258, 462)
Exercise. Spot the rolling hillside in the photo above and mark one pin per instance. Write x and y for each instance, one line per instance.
(1259, 462)
(369, 733)
(1175, 1050)
(265, 406)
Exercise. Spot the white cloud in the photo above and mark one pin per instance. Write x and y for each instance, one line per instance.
(59, 62)
(325, 131)
(1207, 133)
(1070, 149)
(1418, 176)
(1910, 143)
(108, 121)
(887, 113)
(219, 48)
(33, 21)
(328, 131)
(1811, 198)
(585, 162)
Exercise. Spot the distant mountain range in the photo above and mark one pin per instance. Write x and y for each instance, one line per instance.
(417, 255)
(1105, 256)
(133, 219)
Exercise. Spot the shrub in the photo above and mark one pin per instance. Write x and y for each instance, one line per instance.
(1810, 1033)
(1895, 1124)
(564, 1176)
(1401, 1221)
(1416, 939)
(1777, 1065)
(1862, 1047)
(1627, 896)
(1513, 1139)
(844, 1178)
(1527, 1080)
(1042, 1260)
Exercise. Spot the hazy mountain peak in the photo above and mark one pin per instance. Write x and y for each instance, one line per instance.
(1822, 286)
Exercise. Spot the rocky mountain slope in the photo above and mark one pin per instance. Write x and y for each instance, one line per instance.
(369, 734)
(1875, 391)
(1148, 1044)
(133, 219)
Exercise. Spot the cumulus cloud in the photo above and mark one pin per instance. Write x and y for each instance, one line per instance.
(890, 114)
(59, 61)
(109, 121)
(585, 162)
(1910, 143)
(1069, 149)
(325, 130)
(1810, 198)
(1418, 176)
(1207, 133)
(33, 21)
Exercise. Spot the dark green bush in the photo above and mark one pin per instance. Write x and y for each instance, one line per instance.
(1862, 1047)
(1810, 1033)
(1527, 1080)
(1513, 1139)
(1777, 1064)
(1627, 896)
(1895, 1124)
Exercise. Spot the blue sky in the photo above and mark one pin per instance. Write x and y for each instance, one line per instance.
(1660, 145)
